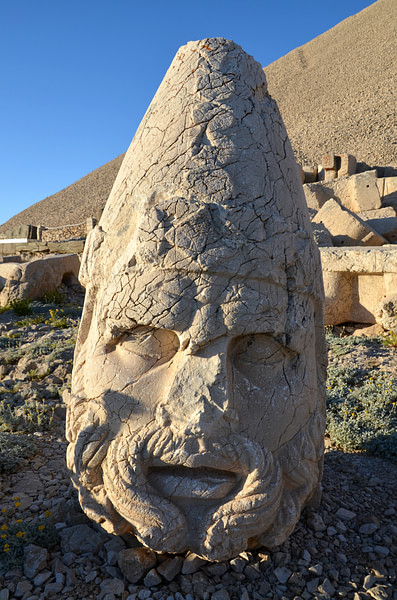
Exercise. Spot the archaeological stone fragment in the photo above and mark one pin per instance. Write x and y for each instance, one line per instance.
(196, 416)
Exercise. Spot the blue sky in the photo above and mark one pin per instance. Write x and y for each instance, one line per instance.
(78, 75)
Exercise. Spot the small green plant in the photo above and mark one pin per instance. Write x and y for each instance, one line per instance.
(15, 450)
(16, 533)
(4, 309)
(390, 339)
(31, 416)
(34, 376)
(57, 318)
(21, 307)
(54, 297)
(36, 320)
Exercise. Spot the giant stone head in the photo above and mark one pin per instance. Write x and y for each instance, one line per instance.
(196, 416)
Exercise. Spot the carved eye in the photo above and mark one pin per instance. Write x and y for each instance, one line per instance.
(154, 345)
(251, 352)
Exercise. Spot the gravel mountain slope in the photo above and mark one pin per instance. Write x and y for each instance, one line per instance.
(72, 205)
(337, 93)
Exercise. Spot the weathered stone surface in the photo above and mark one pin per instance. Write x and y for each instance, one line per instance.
(196, 416)
(32, 247)
(310, 173)
(388, 190)
(364, 192)
(346, 228)
(329, 161)
(321, 235)
(383, 220)
(35, 560)
(81, 538)
(170, 568)
(357, 192)
(347, 165)
(386, 313)
(134, 563)
(35, 278)
(356, 281)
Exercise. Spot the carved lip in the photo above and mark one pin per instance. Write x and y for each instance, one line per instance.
(201, 483)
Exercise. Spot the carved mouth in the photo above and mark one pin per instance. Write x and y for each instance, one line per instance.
(192, 483)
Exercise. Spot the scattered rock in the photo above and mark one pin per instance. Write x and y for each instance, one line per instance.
(170, 568)
(152, 578)
(81, 538)
(134, 563)
(35, 560)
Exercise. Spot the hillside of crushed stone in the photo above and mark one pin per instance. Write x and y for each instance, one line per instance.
(84, 198)
(337, 93)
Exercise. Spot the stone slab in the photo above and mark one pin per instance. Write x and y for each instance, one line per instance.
(346, 228)
(382, 220)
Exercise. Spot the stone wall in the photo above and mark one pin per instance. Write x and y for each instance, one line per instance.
(66, 232)
(33, 248)
(56, 234)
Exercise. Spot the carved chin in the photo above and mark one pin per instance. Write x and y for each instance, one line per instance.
(177, 496)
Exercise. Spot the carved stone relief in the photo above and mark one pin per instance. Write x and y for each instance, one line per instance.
(196, 417)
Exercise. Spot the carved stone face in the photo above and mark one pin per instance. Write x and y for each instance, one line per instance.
(199, 410)
(196, 418)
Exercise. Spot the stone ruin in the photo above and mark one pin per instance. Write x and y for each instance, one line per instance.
(197, 410)
(354, 223)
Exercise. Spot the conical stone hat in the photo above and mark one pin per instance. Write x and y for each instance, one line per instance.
(209, 184)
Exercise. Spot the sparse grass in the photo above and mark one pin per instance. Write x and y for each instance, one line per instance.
(54, 297)
(52, 349)
(29, 321)
(15, 450)
(17, 532)
(31, 416)
(361, 405)
(21, 307)
(57, 318)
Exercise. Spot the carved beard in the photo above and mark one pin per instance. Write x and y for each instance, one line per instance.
(115, 486)
(160, 523)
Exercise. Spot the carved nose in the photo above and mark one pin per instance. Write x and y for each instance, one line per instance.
(197, 399)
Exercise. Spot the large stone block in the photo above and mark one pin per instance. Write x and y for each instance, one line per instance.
(347, 165)
(196, 415)
(387, 187)
(357, 193)
(310, 173)
(364, 193)
(35, 278)
(356, 283)
(383, 220)
(346, 228)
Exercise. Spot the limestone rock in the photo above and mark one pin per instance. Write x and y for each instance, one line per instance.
(134, 563)
(345, 227)
(35, 278)
(310, 173)
(35, 560)
(196, 416)
(383, 221)
(357, 192)
(356, 281)
(386, 312)
(81, 538)
(347, 165)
